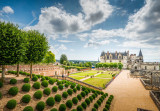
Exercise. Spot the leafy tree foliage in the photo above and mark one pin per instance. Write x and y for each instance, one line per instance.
(63, 58)
(49, 58)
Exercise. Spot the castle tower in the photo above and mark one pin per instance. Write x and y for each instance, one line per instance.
(140, 56)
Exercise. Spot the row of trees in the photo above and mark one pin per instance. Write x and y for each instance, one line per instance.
(19, 46)
(109, 65)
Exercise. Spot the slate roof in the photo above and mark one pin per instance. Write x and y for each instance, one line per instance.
(114, 55)
(140, 53)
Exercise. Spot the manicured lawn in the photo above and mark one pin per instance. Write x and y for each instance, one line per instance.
(90, 73)
(104, 75)
(97, 82)
(76, 77)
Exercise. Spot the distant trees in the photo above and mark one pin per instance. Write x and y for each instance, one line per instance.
(49, 58)
(63, 58)
(109, 65)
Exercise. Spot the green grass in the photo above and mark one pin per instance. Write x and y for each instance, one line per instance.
(90, 73)
(104, 75)
(76, 77)
(97, 82)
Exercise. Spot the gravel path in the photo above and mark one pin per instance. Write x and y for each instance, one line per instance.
(129, 94)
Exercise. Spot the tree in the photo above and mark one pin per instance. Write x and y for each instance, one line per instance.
(63, 58)
(36, 49)
(11, 45)
(120, 66)
(64, 63)
(49, 58)
(115, 65)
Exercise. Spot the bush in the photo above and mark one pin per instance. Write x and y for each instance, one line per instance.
(69, 104)
(0, 95)
(40, 106)
(74, 90)
(79, 97)
(35, 78)
(54, 89)
(66, 85)
(13, 81)
(26, 80)
(65, 94)
(96, 105)
(105, 109)
(84, 105)
(47, 78)
(50, 101)
(13, 91)
(26, 87)
(39, 76)
(99, 102)
(83, 94)
(86, 91)
(73, 85)
(38, 94)
(51, 81)
(54, 109)
(79, 108)
(78, 87)
(62, 107)
(59, 82)
(43, 78)
(47, 91)
(87, 100)
(37, 85)
(93, 91)
(1, 84)
(94, 96)
(70, 91)
(75, 100)
(94, 109)
(28, 108)
(83, 88)
(60, 86)
(26, 98)
(58, 97)
(107, 106)
(44, 83)
(11, 104)
(91, 98)
(73, 110)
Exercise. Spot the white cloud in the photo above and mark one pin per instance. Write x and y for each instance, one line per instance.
(8, 10)
(95, 44)
(65, 41)
(56, 49)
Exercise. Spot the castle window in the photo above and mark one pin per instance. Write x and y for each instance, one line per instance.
(145, 67)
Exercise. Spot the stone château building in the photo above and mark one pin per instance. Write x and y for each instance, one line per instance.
(130, 61)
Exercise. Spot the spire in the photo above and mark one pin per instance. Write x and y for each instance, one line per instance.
(140, 53)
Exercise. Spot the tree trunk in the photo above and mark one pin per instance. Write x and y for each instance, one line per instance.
(31, 70)
(3, 73)
(18, 70)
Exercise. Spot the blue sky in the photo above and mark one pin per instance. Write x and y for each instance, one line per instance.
(82, 29)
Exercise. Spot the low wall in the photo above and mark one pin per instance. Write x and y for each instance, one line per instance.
(154, 98)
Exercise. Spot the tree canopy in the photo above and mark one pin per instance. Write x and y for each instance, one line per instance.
(49, 58)
(63, 58)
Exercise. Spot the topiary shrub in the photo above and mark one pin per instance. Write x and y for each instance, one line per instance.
(60, 86)
(62, 107)
(58, 97)
(47, 78)
(50, 101)
(51, 81)
(89, 90)
(87, 100)
(38, 94)
(79, 97)
(83, 88)
(74, 90)
(54, 89)
(94, 109)
(101, 99)
(78, 87)
(79, 108)
(26, 98)
(83, 94)
(26, 80)
(107, 106)
(75, 100)
(44, 83)
(91, 98)
(96, 105)
(73, 110)
(59, 82)
(66, 85)
(43, 78)
(28, 108)
(69, 104)
(1, 84)
(54, 109)
(73, 85)
(94, 96)
(40, 106)
(37, 85)
(13, 81)
(99, 102)
(34, 78)
(84, 105)
(70, 91)
(93, 91)
(11, 104)
(65, 94)
(105, 109)
(13, 91)
(47, 91)
(86, 91)
(39, 76)
(26, 87)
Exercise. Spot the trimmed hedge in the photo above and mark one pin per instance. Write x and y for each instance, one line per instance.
(69, 104)
(50, 101)
(86, 91)
(26, 98)
(54, 109)
(107, 106)
(59, 82)
(43, 78)
(84, 105)
(11, 104)
(87, 100)
(60, 86)
(94, 109)
(38, 94)
(26, 80)
(83, 94)
(1, 84)
(62, 107)
(91, 98)
(54, 89)
(73, 85)
(37, 85)
(47, 91)
(58, 97)
(40, 106)
(75, 100)
(78, 87)
(99, 102)
(13, 81)
(28, 108)
(79, 97)
(79, 108)
(13, 91)
(74, 90)
(65, 94)
(66, 85)
(83, 88)
(51, 81)
(35, 78)
(26, 87)
(70, 91)
(44, 83)
(96, 105)
(73, 110)
(105, 109)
